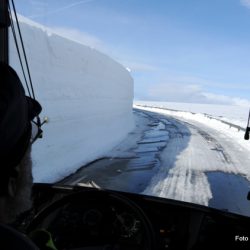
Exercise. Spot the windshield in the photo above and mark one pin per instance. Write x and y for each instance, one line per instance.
(150, 97)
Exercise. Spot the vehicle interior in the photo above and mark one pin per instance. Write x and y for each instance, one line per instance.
(89, 217)
(118, 220)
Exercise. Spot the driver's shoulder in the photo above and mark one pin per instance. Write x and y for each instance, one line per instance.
(11, 239)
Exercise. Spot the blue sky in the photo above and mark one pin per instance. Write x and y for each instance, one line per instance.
(183, 51)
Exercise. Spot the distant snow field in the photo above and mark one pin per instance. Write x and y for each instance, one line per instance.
(234, 114)
(202, 113)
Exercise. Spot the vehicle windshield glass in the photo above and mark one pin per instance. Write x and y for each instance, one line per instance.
(149, 97)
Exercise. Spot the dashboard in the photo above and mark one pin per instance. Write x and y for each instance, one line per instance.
(85, 218)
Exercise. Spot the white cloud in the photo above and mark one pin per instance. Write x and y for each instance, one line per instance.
(173, 92)
(80, 37)
(58, 10)
(38, 3)
(223, 99)
(191, 93)
(245, 3)
(69, 33)
(138, 66)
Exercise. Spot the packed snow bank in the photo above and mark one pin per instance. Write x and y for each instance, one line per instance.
(86, 95)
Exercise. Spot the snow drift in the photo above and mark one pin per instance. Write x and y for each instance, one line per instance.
(86, 95)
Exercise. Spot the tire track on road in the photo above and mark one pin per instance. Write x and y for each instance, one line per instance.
(209, 171)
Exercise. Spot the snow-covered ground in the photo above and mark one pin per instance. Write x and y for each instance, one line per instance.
(198, 112)
(86, 95)
(231, 113)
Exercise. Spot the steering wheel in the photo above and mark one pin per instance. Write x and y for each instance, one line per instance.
(95, 219)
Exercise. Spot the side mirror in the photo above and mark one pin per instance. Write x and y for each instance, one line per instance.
(246, 137)
(45, 120)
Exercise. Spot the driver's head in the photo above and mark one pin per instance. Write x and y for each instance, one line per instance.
(16, 113)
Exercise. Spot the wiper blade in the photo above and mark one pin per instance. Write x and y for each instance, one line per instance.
(90, 184)
(246, 137)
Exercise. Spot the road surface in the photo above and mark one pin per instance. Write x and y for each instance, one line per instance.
(177, 159)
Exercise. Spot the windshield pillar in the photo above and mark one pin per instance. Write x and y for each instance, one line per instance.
(4, 24)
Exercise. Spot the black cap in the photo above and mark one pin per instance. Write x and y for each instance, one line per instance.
(16, 113)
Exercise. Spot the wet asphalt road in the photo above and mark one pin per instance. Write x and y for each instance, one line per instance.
(179, 160)
(132, 174)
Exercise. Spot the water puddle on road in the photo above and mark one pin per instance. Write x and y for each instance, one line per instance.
(229, 192)
(127, 174)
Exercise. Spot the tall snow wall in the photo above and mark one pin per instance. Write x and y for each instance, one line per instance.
(86, 95)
